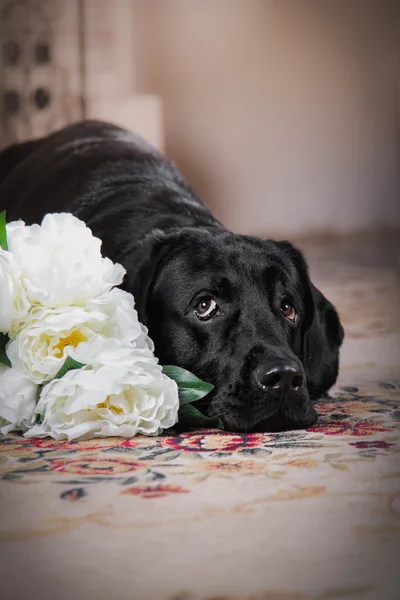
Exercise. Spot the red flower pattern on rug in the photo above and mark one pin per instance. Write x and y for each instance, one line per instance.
(155, 491)
(216, 442)
(150, 467)
(94, 465)
(363, 428)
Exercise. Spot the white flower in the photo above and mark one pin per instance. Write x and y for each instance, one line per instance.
(17, 400)
(121, 392)
(14, 304)
(61, 262)
(51, 335)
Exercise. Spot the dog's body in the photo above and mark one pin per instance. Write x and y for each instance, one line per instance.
(235, 310)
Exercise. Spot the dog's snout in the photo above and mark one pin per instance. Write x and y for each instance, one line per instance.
(280, 376)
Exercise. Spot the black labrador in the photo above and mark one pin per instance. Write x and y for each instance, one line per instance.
(238, 311)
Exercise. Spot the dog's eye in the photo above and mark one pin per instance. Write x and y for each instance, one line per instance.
(288, 310)
(206, 309)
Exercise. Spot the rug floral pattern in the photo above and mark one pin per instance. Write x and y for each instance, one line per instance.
(207, 515)
(352, 428)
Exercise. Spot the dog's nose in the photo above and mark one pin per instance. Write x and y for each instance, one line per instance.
(281, 376)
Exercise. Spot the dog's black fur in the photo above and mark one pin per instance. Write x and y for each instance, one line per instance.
(266, 368)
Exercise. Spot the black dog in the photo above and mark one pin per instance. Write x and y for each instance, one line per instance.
(237, 311)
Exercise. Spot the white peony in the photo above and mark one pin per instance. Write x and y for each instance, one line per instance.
(14, 304)
(121, 392)
(17, 400)
(61, 262)
(51, 335)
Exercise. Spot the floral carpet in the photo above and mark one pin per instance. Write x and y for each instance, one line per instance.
(300, 515)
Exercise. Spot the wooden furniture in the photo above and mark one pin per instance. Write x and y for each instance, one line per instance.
(64, 61)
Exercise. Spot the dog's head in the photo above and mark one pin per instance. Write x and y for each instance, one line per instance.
(240, 313)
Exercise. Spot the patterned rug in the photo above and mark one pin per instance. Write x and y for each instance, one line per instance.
(305, 515)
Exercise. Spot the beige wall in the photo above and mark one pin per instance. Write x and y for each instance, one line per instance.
(281, 113)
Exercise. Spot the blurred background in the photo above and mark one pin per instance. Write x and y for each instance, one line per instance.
(282, 114)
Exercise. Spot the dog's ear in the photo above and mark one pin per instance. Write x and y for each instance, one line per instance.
(147, 258)
(322, 332)
(144, 263)
(321, 345)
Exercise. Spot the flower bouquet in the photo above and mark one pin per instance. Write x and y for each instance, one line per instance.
(75, 362)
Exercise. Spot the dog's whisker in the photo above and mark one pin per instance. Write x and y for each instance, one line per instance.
(212, 414)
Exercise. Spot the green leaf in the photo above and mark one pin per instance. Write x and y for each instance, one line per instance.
(3, 231)
(69, 365)
(191, 417)
(4, 360)
(190, 387)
